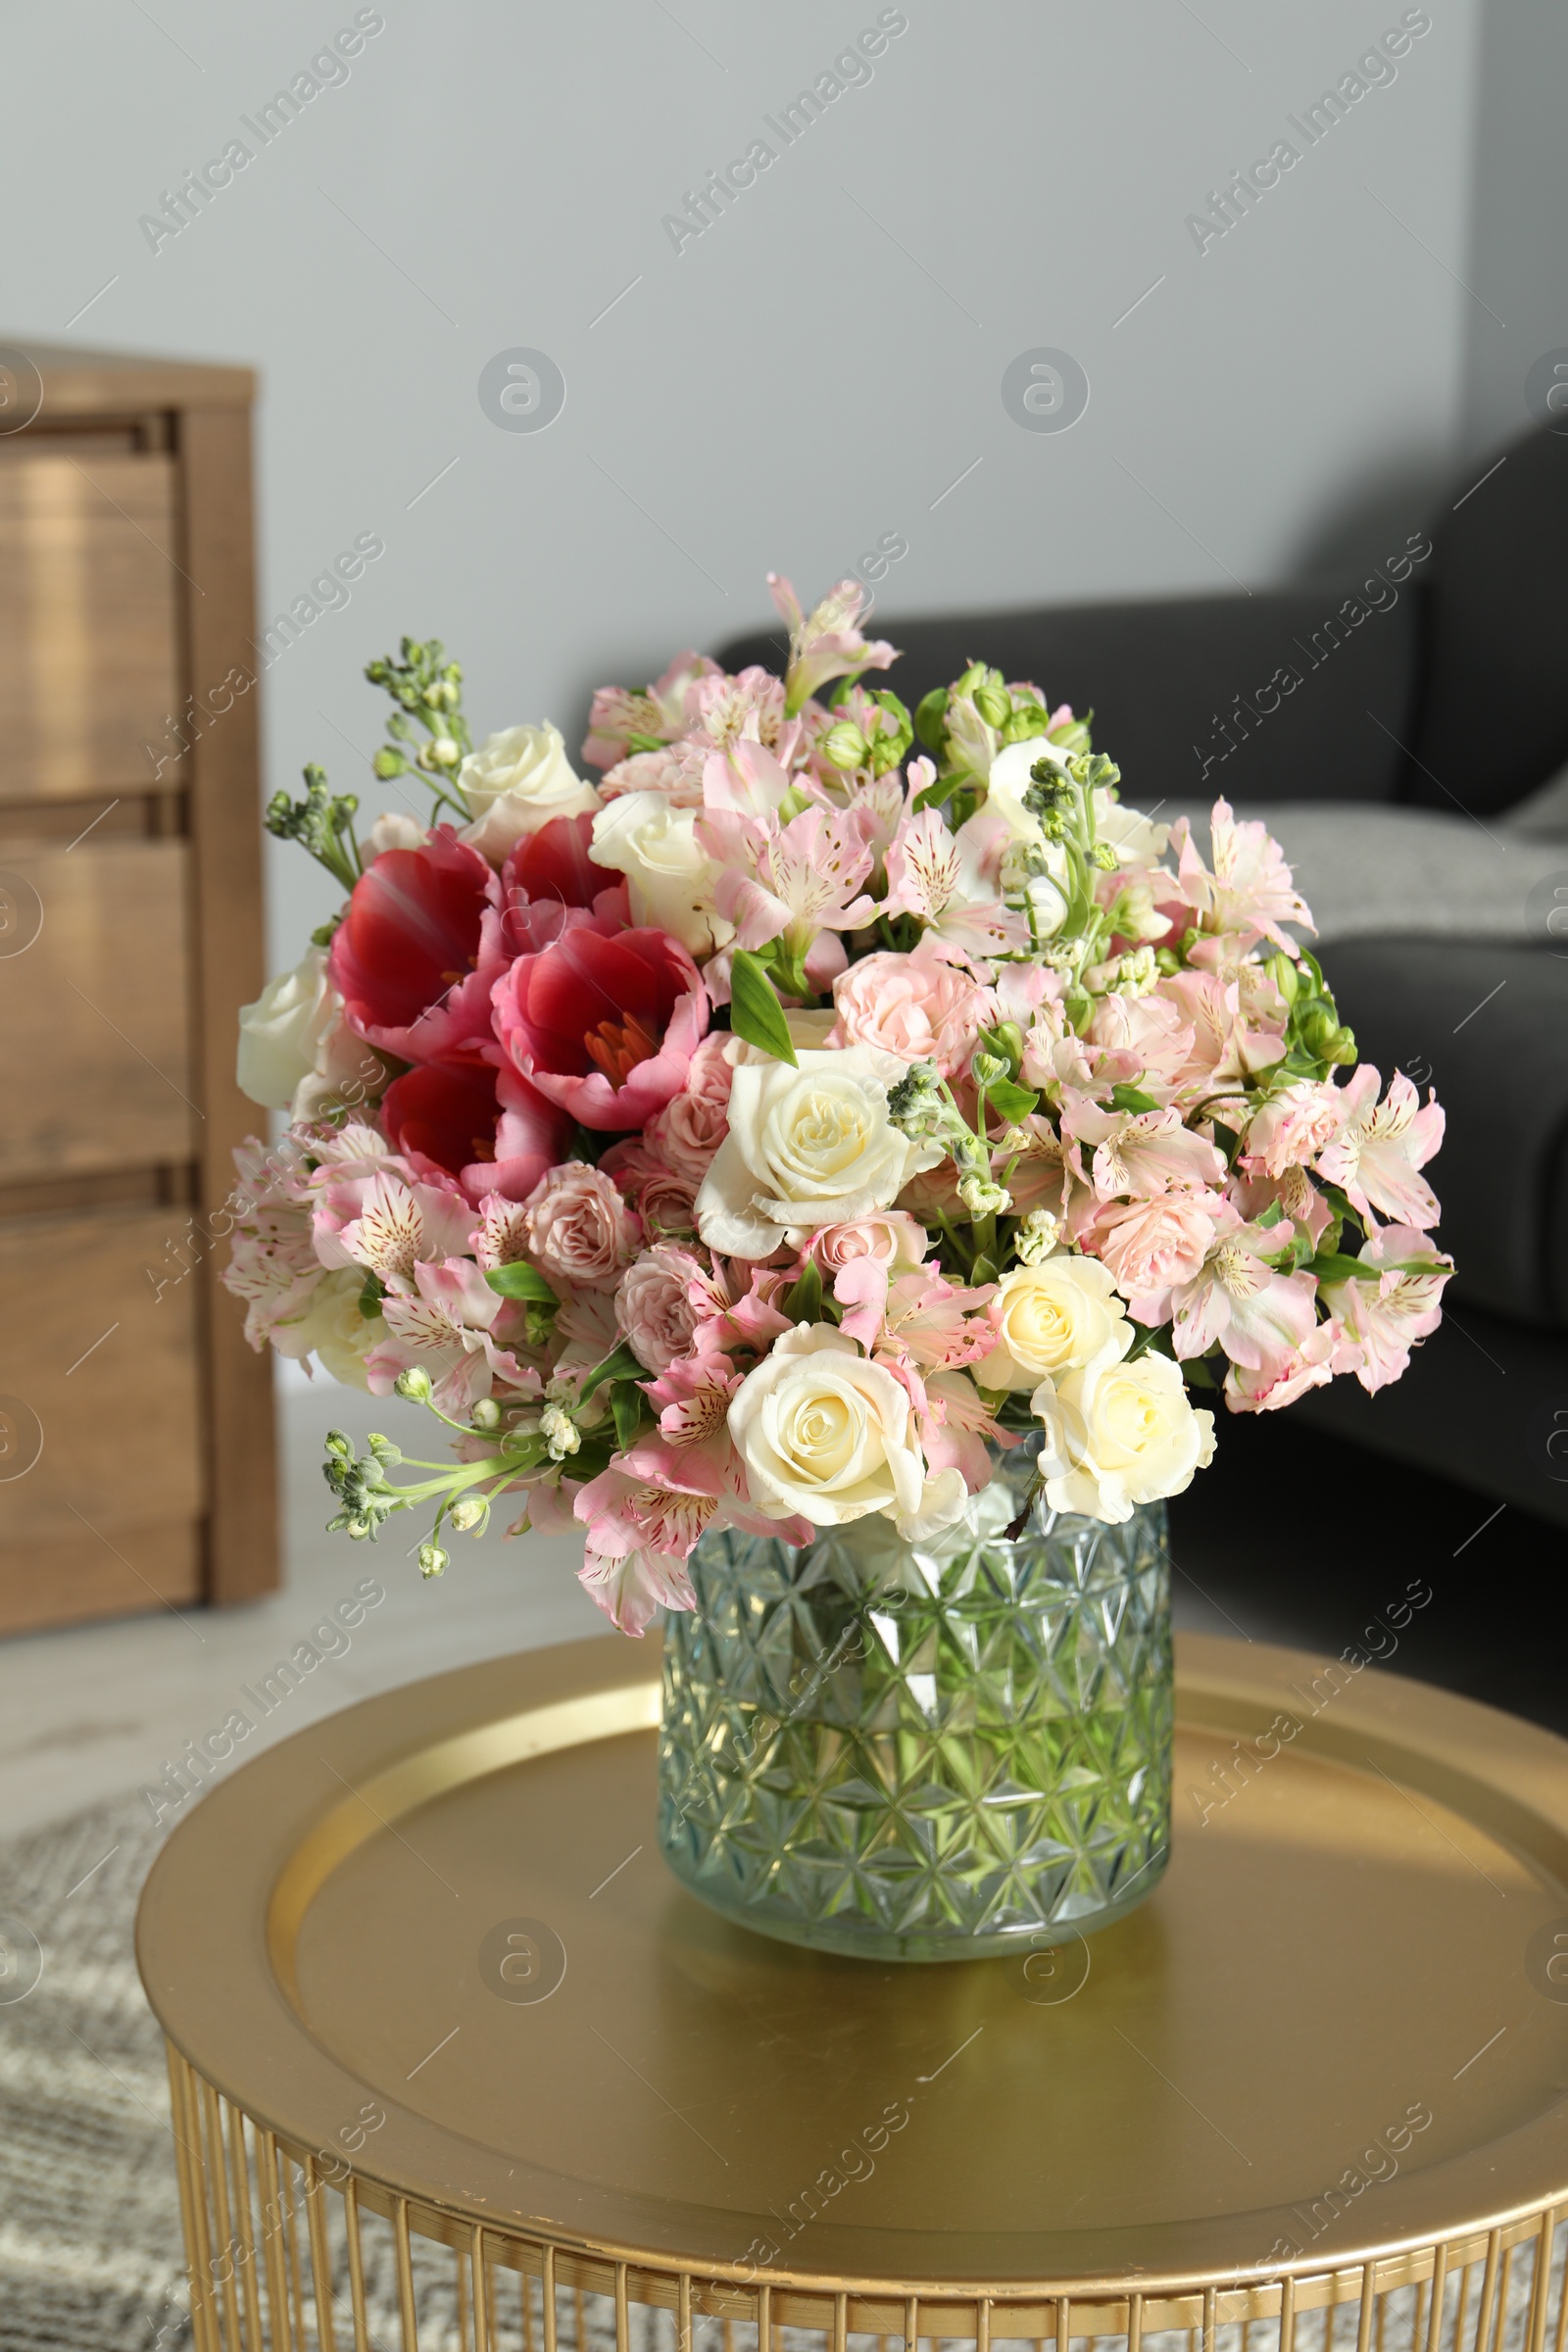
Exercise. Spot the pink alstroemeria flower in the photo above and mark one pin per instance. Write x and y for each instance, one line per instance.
(446, 1327)
(1259, 1316)
(790, 881)
(632, 1584)
(1381, 1146)
(934, 1325)
(826, 642)
(622, 721)
(1140, 1153)
(1250, 889)
(936, 876)
(1271, 1385)
(388, 1227)
(1384, 1318)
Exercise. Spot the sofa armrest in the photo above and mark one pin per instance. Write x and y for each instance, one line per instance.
(1292, 694)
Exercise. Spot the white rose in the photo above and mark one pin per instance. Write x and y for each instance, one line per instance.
(281, 1033)
(825, 1433)
(1134, 838)
(1052, 1318)
(333, 1330)
(1119, 1435)
(672, 878)
(806, 1147)
(514, 783)
(348, 1074)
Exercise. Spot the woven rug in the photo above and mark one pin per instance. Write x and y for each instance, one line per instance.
(90, 2251)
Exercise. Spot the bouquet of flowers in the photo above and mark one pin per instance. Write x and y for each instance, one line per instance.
(762, 1134)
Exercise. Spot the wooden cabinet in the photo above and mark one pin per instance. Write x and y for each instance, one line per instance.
(136, 1442)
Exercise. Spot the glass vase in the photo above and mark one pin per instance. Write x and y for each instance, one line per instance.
(935, 1751)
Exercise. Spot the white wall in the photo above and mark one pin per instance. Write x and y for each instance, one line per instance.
(801, 380)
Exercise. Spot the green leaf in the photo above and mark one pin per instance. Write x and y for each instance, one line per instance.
(622, 1365)
(931, 720)
(754, 1011)
(1332, 1265)
(370, 1297)
(935, 794)
(1014, 1101)
(1131, 1098)
(805, 1301)
(521, 1281)
(627, 1405)
(1272, 1215)
(1227, 1140)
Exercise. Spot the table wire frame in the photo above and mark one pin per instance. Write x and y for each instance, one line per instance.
(293, 2250)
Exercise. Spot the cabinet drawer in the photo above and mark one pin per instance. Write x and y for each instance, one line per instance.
(94, 1007)
(101, 1428)
(88, 666)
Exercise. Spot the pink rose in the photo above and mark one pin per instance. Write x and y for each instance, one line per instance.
(891, 1240)
(666, 1201)
(1149, 1246)
(688, 1131)
(926, 1006)
(653, 1306)
(1291, 1131)
(579, 1230)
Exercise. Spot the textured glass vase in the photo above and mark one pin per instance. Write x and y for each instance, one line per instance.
(924, 1751)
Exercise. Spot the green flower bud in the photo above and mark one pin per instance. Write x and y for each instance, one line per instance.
(975, 675)
(432, 1559)
(792, 805)
(993, 705)
(385, 1452)
(486, 1414)
(1342, 1048)
(415, 1384)
(1021, 724)
(1285, 977)
(339, 1446)
(1167, 961)
(1103, 857)
(1071, 736)
(931, 718)
(845, 746)
(986, 1068)
(1006, 1039)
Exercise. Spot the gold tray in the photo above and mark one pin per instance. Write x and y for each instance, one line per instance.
(1334, 2037)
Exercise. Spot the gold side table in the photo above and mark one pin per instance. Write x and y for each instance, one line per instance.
(424, 1976)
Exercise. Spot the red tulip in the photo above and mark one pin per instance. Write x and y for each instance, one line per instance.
(415, 956)
(605, 1027)
(553, 863)
(490, 1129)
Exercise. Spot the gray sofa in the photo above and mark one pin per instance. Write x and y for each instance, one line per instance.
(1406, 735)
